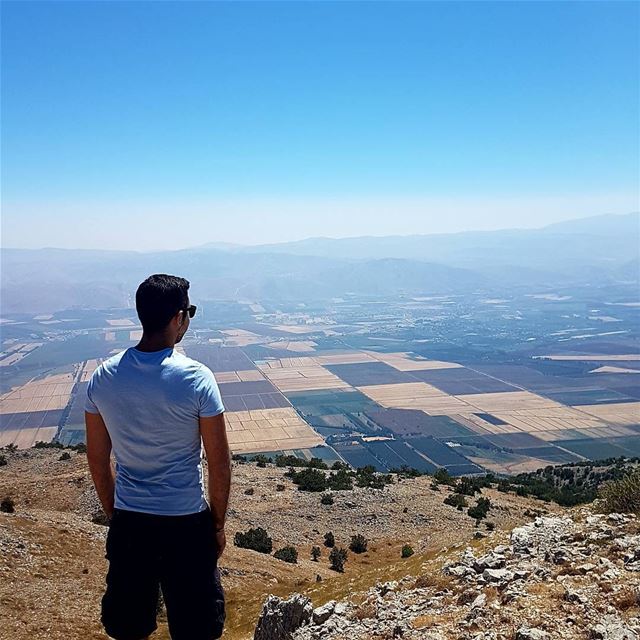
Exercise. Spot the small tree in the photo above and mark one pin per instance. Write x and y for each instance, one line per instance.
(65, 456)
(358, 543)
(622, 495)
(407, 551)
(443, 476)
(340, 481)
(7, 505)
(327, 498)
(287, 554)
(3, 460)
(337, 558)
(309, 480)
(255, 539)
(329, 539)
(480, 509)
(315, 553)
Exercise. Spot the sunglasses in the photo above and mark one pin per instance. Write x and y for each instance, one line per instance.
(191, 310)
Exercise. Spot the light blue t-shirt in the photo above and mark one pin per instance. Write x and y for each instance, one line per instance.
(150, 403)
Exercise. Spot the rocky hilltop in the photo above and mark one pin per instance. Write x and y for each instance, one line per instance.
(572, 576)
(529, 565)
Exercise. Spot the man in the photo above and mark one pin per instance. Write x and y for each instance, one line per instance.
(154, 408)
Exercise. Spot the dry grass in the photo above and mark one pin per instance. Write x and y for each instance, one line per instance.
(437, 581)
(366, 611)
(627, 598)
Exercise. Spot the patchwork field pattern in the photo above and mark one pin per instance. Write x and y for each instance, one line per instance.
(269, 430)
(32, 411)
(383, 409)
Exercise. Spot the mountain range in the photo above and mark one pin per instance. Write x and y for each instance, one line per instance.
(598, 250)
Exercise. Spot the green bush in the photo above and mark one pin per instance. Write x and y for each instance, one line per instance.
(329, 539)
(327, 498)
(337, 558)
(407, 551)
(467, 486)
(3, 460)
(255, 539)
(48, 445)
(287, 554)
(358, 543)
(456, 500)
(622, 496)
(442, 476)
(480, 509)
(340, 481)
(7, 505)
(308, 479)
(65, 456)
(315, 553)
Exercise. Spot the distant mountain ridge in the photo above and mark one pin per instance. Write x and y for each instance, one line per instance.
(596, 250)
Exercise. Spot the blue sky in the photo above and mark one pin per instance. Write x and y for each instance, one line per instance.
(168, 124)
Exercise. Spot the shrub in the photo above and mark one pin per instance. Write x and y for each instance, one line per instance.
(317, 463)
(287, 554)
(456, 500)
(65, 456)
(315, 553)
(309, 479)
(407, 551)
(480, 509)
(3, 460)
(40, 444)
(358, 543)
(622, 496)
(337, 465)
(340, 481)
(490, 526)
(7, 505)
(255, 539)
(443, 476)
(249, 492)
(468, 486)
(337, 558)
(327, 498)
(261, 460)
(329, 539)
(280, 487)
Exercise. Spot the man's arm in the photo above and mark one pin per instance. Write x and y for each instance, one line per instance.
(99, 459)
(214, 438)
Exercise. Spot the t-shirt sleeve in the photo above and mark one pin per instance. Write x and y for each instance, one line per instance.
(208, 394)
(89, 404)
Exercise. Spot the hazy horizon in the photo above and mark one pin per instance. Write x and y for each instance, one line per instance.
(321, 237)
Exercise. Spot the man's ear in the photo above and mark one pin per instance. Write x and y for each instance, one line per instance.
(178, 318)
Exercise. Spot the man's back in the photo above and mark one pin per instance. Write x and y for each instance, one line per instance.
(151, 403)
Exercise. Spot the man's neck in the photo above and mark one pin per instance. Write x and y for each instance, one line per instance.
(154, 343)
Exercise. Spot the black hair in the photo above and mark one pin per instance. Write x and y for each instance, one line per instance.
(159, 298)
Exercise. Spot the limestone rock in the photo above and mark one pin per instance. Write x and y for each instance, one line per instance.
(280, 618)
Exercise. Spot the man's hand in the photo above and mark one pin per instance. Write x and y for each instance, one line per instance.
(221, 541)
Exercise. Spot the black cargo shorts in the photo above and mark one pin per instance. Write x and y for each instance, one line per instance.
(176, 553)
